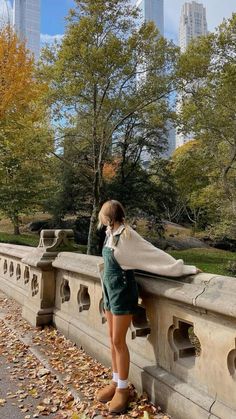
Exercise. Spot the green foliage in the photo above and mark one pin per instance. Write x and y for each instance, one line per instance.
(208, 88)
(25, 135)
(93, 78)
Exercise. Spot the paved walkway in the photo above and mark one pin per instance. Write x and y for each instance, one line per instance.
(44, 374)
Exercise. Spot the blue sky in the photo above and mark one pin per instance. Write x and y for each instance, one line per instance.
(54, 12)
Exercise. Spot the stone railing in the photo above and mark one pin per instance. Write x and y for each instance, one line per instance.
(182, 340)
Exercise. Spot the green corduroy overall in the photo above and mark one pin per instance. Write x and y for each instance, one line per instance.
(119, 286)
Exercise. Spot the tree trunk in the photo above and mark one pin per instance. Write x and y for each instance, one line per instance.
(93, 239)
(16, 224)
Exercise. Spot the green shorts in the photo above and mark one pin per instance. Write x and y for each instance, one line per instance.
(120, 293)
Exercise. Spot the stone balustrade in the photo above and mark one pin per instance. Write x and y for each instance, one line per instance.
(182, 340)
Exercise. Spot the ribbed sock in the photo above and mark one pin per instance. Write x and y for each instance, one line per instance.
(122, 383)
(115, 377)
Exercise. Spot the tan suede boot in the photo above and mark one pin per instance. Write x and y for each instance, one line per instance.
(106, 393)
(120, 401)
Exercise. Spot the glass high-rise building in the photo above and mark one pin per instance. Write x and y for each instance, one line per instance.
(153, 10)
(5, 13)
(193, 23)
(26, 21)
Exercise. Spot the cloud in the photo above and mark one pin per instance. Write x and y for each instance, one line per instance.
(50, 39)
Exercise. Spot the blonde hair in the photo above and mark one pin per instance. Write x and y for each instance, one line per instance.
(113, 211)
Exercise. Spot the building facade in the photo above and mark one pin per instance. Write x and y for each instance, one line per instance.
(193, 23)
(26, 21)
(153, 10)
(5, 13)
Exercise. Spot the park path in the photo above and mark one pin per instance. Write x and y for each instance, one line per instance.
(44, 374)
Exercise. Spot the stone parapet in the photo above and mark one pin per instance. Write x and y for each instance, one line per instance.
(182, 340)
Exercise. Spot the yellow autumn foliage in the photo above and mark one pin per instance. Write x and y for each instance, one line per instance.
(18, 87)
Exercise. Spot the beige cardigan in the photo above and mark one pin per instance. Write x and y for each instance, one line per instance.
(134, 252)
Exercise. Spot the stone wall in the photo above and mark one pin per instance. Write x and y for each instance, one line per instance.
(182, 340)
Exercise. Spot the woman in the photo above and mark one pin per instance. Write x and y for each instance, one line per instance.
(125, 250)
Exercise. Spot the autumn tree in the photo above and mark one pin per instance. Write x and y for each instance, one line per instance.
(194, 176)
(208, 71)
(94, 80)
(25, 136)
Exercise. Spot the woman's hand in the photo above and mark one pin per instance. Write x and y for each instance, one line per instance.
(198, 271)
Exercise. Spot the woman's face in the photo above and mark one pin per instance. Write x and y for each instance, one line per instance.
(104, 219)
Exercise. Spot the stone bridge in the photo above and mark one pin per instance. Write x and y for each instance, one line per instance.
(182, 340)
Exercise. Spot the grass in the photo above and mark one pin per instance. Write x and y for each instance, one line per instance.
(33, 240)
(208, 260)
(23, 239)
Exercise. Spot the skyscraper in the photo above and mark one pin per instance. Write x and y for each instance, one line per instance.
(193, 23)
(5, 13)
(153, 10)
(26, 21)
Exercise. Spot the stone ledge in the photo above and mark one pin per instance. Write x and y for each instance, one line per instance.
(15, 250)
(79, 263)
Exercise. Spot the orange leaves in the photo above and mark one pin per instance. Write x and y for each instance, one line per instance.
(70, 372)
(17, 84)
(110, 169)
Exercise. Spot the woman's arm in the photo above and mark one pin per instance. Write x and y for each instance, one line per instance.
(134, 252)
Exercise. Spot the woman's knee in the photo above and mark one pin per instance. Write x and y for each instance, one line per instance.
(118, 343)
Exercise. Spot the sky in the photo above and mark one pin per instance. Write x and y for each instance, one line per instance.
(53, 14)
(216, 11)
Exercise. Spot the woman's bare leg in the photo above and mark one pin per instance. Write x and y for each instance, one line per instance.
(120, 324)
(109, 317)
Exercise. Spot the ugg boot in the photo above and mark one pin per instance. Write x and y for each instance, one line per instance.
(120, 401)
(106, 393)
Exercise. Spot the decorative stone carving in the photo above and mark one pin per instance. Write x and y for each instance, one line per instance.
(140, 323)
(5, 266)
(11, 269)
(26, 275)
(65, 291)
(34, 285)
(55, 240)
(40, 261)
(101, 311)
(231, 362)
(18, 272)
(83, 298)
(183, 341)
(50, 244)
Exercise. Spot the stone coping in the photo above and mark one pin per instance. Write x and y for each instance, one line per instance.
(79, 263)
(15, 250)
(204, 291)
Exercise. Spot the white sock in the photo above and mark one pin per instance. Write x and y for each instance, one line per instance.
(115, 377)
(122, 383)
